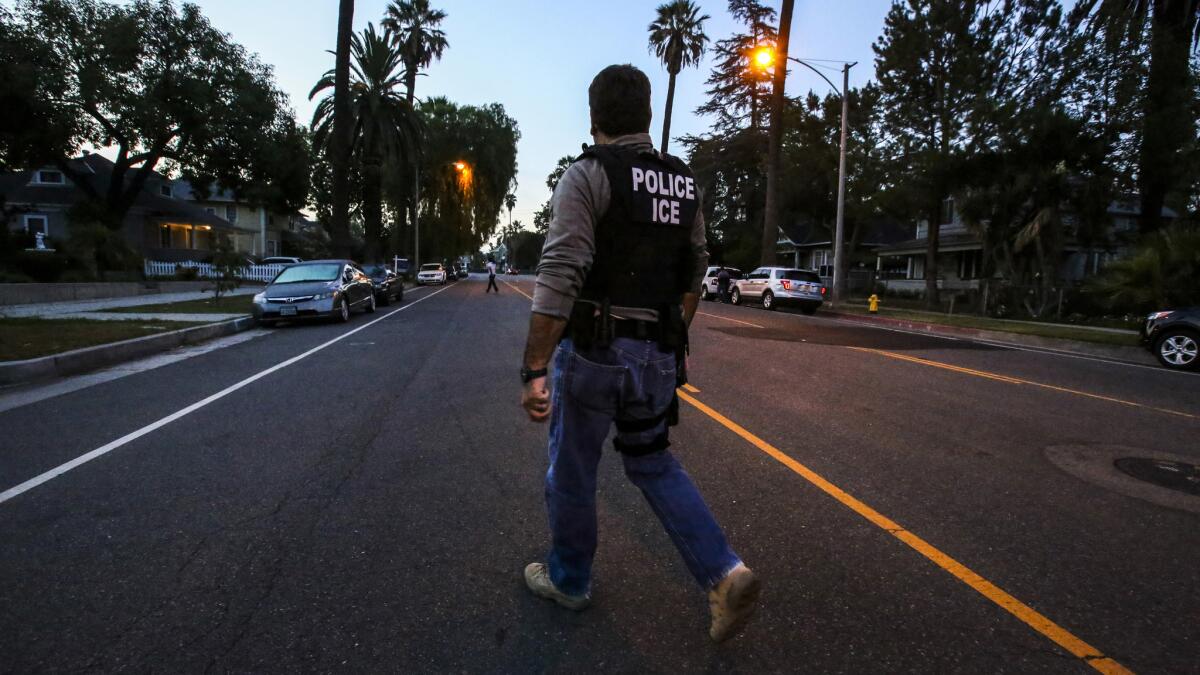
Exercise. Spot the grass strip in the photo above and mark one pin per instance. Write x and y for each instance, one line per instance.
(229, 304)
(29, 338)
(984, 323)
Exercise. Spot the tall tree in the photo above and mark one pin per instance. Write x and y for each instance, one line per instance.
(415, 27)
(736, 91)
(384, 126)
(770, 235)
(510, 203)
(677, 38)
(159, 86)
(930, 63)
(1168, 120)
(339, 148)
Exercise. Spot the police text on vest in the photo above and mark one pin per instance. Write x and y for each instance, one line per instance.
(672, 186)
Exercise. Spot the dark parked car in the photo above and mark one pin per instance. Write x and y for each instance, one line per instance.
(314, 290)
(1174, 337)
(388, 286)
(463, 273)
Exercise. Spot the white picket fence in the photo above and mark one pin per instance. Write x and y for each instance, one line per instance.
(156, 268)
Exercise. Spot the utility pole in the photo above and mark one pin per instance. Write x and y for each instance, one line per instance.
(839, 272)
(775, 138)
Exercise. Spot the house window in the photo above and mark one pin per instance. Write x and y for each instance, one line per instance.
(272, 247)
(164, 190)
(948, 211)
(970, 264)
(35, 224)
(231, 214)
(164, 236)
(917, 270)
(210, 210)
(49, 177)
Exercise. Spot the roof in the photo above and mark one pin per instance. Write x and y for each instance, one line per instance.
(16, 189)
(964, 241)
(879, 232)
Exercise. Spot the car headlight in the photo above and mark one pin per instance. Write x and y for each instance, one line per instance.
(1159, 315)
(260, 298)
(323, 296)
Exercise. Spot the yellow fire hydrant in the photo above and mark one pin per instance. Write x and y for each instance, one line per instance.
(873, 304)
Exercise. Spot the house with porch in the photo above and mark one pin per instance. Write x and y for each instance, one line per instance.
(809, 246)
(259, 229)
(158, 225)
(901, 266)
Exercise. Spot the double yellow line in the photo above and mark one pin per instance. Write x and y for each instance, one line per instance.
(1034, 619)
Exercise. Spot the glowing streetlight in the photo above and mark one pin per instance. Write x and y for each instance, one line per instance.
(764, 57)
(460, 166)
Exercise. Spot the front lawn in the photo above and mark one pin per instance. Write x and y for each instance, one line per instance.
(28, 338)
(229, 304)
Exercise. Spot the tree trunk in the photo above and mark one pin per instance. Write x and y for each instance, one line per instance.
(339, 159)
(666, 134)
(775, 139)
(372, 208)
(932, 301)
(1168, 126)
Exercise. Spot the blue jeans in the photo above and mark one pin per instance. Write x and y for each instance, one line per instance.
(631, 380)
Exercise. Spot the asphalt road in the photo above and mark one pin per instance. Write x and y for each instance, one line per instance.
(364, 498)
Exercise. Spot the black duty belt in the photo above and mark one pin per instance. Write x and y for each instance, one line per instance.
(636, 329)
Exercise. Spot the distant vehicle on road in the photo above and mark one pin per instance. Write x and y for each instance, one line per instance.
(1174, 337)
(774, 286)
(316, 289)
(463, 273)
(708, 287)
(281, 260)
(387, 285)
(431, 273)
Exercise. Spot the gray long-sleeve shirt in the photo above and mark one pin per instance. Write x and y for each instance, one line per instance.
(579, 203)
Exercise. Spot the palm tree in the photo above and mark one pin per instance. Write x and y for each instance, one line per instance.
(510, 203)
(414, 26)
(339, 156)
(1168, 122)
(677, 38)
(384, 127)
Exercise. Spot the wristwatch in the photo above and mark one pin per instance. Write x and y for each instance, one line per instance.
(528, 375)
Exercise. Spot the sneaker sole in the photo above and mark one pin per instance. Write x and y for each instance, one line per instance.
(560, 600)
(743, 601)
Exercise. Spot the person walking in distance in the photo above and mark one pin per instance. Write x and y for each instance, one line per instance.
(615, 292)
(491, 270)
(723, 284)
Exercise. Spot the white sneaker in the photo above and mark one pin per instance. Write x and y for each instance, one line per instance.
(732, 602)
(537, 578)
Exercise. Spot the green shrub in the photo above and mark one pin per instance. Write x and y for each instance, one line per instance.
(43, 266)
(1163, 272)
(183, 273)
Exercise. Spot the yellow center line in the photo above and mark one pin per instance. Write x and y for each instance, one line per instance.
(725, 318)
(1017, 380)
(1061, 636)
(690, 389)
(518, 290)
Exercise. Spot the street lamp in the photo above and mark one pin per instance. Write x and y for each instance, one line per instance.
(764, 57)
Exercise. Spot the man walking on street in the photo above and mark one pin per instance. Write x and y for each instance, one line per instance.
(723, 284)
(617, 283)
(491, 269)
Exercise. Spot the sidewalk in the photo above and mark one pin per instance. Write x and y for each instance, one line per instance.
(94, 309)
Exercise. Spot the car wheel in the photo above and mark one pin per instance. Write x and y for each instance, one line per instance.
(1178, 350)
(736, 298)
(370, 308)
(384, 299)
(809, 310)
(768, 300)
(706, 294)
(400, 294)
(342, 313)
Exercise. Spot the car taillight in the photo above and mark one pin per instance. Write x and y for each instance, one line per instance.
(787, 285)
(822, 290)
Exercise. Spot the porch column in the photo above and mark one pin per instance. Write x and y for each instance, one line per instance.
(262, 228)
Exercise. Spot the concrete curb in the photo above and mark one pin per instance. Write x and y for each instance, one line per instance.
(1116, 352)
(93, 358)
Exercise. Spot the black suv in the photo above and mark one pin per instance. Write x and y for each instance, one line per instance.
(1174, 337)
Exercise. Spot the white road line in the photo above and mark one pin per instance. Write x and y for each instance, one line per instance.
(133, 436)
(718, 316)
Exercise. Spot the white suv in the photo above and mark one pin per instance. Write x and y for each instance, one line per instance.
(431, 273)
(773, 286)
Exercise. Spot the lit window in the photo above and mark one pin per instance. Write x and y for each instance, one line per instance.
(49, 177)
(35, 224)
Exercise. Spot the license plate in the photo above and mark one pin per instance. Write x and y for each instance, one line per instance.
(287, 311)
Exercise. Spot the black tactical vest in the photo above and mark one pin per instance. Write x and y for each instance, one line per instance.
(643, 242)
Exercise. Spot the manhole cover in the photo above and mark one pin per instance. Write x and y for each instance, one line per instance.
(1174, 475)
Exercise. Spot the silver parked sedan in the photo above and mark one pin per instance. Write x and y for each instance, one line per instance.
(774, 286)
(313, 290)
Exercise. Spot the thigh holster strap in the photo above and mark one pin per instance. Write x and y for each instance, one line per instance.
(660, 442)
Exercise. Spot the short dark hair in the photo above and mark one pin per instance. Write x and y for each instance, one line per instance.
(619, 98)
